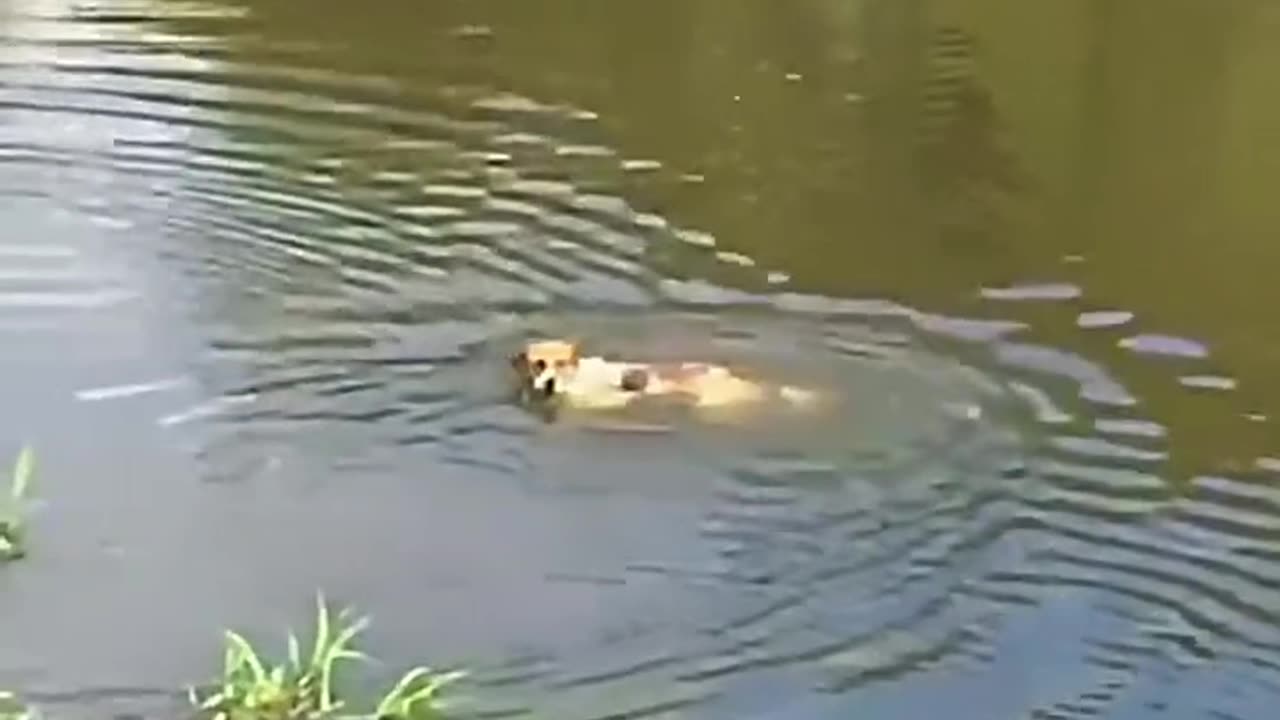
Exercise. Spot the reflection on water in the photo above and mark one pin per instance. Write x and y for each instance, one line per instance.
(265, 266)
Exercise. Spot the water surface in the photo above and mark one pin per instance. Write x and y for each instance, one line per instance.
(263, 264)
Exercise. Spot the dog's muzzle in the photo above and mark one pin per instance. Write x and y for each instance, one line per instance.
(545, 382)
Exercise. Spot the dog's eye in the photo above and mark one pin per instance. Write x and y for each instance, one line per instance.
(561, 363)
(539, 365)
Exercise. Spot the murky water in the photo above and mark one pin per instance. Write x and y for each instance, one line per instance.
(262, 266)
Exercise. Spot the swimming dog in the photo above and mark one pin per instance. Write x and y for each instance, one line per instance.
(556, 370)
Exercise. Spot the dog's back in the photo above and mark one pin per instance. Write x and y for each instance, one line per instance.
(556, 368)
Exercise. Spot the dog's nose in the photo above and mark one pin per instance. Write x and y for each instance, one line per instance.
(549, 387)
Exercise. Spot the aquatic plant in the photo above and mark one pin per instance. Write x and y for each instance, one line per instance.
(13, 513)
(415, 696)
(303, 687)
(13, 709)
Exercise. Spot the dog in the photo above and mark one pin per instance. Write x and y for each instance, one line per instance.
(555, 370)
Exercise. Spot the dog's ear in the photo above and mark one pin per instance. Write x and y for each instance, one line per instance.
(520, 360)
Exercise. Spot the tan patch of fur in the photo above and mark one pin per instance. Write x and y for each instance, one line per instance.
(595, 383)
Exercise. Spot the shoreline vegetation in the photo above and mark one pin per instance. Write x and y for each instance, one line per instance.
(11, 708)
(251, 687)
(304, 686)
(13, 508)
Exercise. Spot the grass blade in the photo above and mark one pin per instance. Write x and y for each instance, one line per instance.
(245, 655)
(295, 653)
(335, 653)
(403, 698)
(321, 639)
(302, 687)
(23, 470)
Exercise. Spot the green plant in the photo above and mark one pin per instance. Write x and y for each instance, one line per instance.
(12, 709)
(415, 696)
(303, 687)
(13, 510)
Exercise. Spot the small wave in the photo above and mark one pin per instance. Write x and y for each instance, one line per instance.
(357, 259)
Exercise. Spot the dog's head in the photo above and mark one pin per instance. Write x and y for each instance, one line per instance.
(543, 365)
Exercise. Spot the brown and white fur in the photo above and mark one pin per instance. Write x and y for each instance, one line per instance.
(555, 369)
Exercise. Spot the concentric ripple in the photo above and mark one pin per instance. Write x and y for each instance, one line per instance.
(312, 280)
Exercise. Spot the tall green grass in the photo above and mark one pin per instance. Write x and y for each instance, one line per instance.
(250, 688)
(13, 509)
(302, 688)
(13, 545)
(13, 709)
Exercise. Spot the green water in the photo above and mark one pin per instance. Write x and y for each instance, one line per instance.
(263, 263)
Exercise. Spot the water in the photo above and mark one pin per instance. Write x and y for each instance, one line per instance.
(263, 265)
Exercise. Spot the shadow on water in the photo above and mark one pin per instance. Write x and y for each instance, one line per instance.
(269, 264)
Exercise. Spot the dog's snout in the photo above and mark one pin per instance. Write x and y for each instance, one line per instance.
(544, 379)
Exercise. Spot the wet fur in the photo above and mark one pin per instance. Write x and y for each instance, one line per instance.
(554, 371)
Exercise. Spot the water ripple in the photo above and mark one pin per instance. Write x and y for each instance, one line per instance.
(353, 260)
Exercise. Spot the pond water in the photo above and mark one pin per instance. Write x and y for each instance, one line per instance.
(263, 264)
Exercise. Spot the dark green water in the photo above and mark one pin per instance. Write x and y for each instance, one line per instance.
(261, 264)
